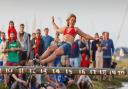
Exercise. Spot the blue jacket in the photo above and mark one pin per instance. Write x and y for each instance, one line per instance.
(107, 53)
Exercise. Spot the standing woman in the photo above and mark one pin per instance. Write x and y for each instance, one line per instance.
(94, 49)
(12, 48)
(69, 33)
(99, 56)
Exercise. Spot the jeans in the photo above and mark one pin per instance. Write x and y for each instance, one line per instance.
(74, 62)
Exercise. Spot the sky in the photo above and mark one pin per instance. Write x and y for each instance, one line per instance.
(92, 16)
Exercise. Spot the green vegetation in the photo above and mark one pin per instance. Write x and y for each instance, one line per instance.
(2, 86)
(116, 81)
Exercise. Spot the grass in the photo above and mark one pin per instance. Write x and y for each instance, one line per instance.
(117, 81)
(105, 84)
(122, 64)
(114, 83)
(2, 86)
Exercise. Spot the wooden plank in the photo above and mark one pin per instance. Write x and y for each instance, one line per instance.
(61, 70)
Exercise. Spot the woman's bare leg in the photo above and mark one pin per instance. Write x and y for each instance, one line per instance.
(47, 52)
(58, 52)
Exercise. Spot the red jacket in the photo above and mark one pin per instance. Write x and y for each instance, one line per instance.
(10, 30)
(37, 43)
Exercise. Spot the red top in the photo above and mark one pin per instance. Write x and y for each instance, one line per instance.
(84, 62)
(72, 31)
(37, 43)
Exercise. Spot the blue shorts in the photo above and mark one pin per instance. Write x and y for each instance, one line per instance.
(66, 47)
(1, 63)
(57, 61)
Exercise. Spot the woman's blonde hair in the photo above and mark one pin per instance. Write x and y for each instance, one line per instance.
(70, 16)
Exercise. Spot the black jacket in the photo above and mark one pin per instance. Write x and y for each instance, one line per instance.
(40, 50)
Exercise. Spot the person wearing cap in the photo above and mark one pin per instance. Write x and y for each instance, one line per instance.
(47, 38)
(37, 45)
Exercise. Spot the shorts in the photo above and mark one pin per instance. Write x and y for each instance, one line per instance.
(66, 47)
(11, 64)
(23, 55)
(1, 63)
(57, 61)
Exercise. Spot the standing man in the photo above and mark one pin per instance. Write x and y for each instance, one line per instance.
(47, 39)
(24, 40)
(108, 50)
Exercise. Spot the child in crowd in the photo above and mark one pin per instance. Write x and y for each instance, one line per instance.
(84, 62)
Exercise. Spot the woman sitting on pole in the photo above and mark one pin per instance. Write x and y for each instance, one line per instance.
(69, 33)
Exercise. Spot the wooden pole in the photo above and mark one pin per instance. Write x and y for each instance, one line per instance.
(60, 70)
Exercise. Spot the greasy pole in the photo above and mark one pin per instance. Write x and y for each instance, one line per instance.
(60, 70)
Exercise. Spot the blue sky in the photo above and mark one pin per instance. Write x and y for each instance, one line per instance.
(92, 15)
